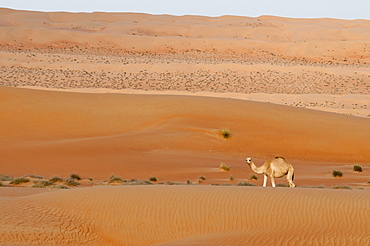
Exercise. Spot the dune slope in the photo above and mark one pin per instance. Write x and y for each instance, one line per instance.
(173, 137)
(187, 215)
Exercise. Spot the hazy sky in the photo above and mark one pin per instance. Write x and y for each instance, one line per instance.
(341, 9)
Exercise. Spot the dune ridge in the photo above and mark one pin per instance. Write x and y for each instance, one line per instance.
(228, 54)
(175, 138)
(187, 215)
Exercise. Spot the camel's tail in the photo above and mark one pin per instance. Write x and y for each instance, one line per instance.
(293, 176)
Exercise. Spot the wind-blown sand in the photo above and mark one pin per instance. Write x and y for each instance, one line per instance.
(138, 96)
(187, 215)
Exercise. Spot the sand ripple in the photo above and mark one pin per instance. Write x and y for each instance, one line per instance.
(187, 215)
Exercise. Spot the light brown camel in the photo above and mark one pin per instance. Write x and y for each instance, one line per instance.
(275, 168)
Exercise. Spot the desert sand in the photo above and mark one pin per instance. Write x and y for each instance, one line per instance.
(187, 215)
(134, 96)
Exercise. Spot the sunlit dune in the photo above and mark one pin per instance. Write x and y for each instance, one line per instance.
(186, 215)
(111, 129)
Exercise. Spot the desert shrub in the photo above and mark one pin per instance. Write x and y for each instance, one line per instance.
(225, 133)
(19, 181)
(42, 184)
(75, 176)
(55, 179)
(202, 178)
(253, 177)
(1, 184)
(153, 179)
(342, 187)
(245, 184)
(114, 179)
(357, 168)
(5, 178)
(138, 182)
(337, 173)
(224, 167)
(231, 178)
(188, 182)
(71, 182)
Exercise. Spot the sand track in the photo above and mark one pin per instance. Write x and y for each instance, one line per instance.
(187, 215)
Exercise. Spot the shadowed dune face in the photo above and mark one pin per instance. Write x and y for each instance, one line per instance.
(186, 215)
(173, 136)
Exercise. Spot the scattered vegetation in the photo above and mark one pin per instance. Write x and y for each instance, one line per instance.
(153, 179)
(138, 182)
(56, 179)
(357, 168)
(5, 178)
(245, 184)
(201, 179)
(342, 187)
(224, 167)
(1, 184)
(19, 181)
(226, 133)
(114, 179)
(253, 177)
(337, 173)
(71, 182)
(231, 178)
(75, 176)
(42, 184)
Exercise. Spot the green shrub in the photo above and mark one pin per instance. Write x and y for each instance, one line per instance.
(337, 173)
(55, 179)
(114, 179)
(19, 181)
(231, 177)
(75, 176)
(357, 168)
(253, 177)
(153, 179)
(42, 184)
(71, 182)
(226, 133)
(225, 167)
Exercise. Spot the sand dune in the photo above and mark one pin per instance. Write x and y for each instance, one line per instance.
(187, 215)
(228, 54)
(175, 138)
(136, 96)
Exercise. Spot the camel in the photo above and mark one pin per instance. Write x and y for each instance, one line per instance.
(275, 168)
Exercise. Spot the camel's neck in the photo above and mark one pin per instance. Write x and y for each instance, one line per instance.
(258, 170)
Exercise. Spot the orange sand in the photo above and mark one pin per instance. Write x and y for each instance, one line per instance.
(160, 89)
(187, 215)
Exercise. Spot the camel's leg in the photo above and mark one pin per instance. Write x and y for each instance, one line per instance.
(290, 177)
(272, 181)
(264, 180)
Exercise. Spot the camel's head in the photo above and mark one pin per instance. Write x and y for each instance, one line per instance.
(248, 160)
